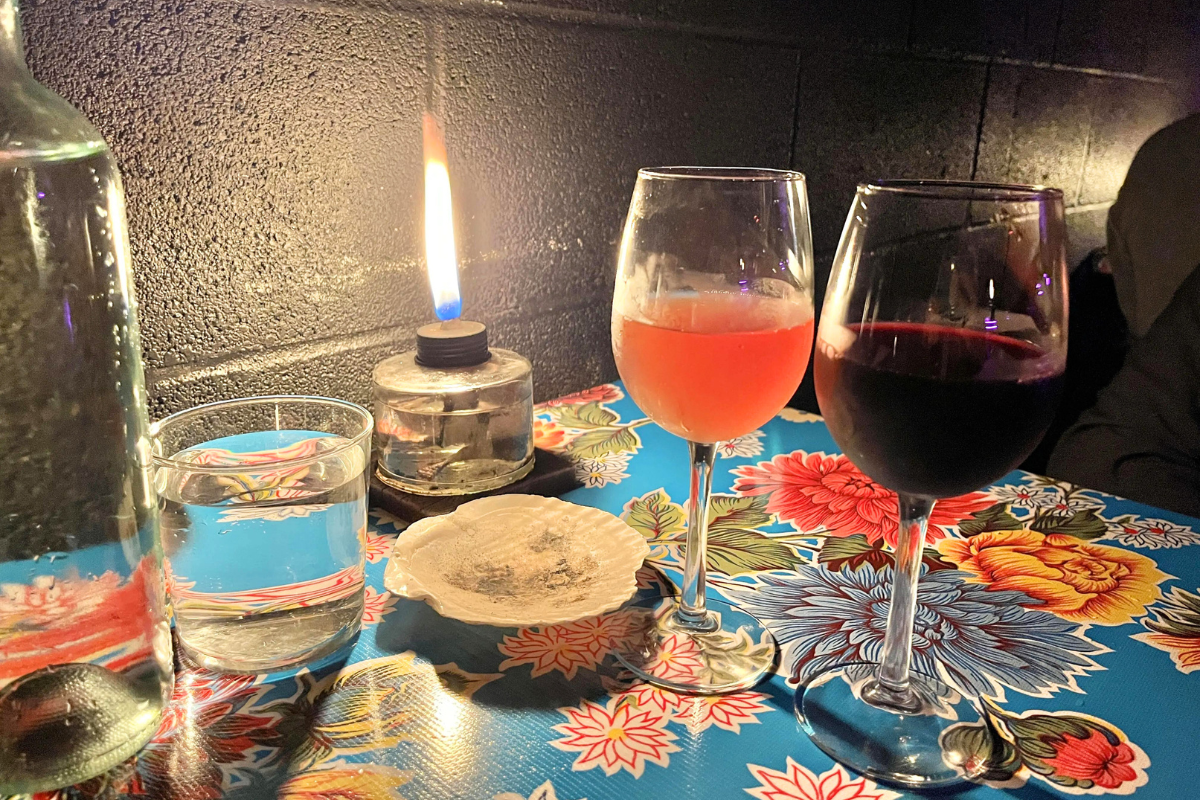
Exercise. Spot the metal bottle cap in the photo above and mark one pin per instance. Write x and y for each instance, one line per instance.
(457, 343)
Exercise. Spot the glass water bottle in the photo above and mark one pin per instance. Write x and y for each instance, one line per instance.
(85, 647)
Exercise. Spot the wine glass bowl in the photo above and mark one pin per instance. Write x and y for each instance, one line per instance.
(712, 329)
(943, 337)
(938, 365)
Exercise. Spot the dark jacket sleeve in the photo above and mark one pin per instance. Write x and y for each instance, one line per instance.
(1141, 439)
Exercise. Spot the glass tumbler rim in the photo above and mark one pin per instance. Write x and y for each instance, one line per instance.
(963, 190)
(170, 462)
(732, 174)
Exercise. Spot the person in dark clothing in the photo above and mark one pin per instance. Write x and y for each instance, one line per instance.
(1153, 237)
(1099, 338)
(1141, 439)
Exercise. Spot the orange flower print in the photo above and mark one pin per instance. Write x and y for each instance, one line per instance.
(1184, 650)
(548, 436)
(1071, 578)
(1175, 628)
(1075, 753)
(615, 736)
(1094, 759)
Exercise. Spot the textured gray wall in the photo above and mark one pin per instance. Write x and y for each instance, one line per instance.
(272, 153)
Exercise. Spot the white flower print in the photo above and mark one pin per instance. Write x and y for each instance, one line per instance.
(796, 415)
(602, 470)
(1151, 534)
(1024, 496)
(543, 792)
(742, 447)
(272, 513)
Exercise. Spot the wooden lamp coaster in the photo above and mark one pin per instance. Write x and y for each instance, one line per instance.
(552, 475)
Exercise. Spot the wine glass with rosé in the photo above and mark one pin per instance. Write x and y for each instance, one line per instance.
(712, 328)
(938, 366)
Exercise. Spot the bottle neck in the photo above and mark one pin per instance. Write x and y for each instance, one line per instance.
(12, 49)
(35, 123)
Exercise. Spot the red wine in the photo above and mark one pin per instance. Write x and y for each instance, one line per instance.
(934, 411)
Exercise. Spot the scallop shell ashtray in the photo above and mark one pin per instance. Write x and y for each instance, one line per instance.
(518, 560)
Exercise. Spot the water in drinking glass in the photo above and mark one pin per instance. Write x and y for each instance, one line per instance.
(266, 563)
(712, 367)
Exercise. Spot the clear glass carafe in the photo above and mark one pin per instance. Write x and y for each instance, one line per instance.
(85, 648)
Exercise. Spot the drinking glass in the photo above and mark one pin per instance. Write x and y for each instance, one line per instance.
(938, 365)
(263, 503)
(712, 327)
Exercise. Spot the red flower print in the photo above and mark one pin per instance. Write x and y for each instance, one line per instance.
(797, 782)
(605, 393)
(650, 578)
(554, 647)
(388, 425)
(1094, 759)
(566, 648)
(548, 436)
(678, 657)
(726, 711)
(615, 736)
(201, 696)
(648, 697)
(53, 620)
(120, 781)
(220, 729)
(376, 605)
(815, 491)
(174, 584)
(600, 634)
(379, 546)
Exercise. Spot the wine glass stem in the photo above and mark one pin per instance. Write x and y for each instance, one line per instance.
(897, 643)
(692, 612)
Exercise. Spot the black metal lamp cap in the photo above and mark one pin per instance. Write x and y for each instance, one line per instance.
(457, 343)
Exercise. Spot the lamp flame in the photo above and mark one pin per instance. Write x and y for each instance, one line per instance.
(440, 258)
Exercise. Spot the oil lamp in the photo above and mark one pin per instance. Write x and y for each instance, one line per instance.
(453, 417)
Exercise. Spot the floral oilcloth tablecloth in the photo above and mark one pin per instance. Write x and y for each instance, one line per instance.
(1072, 615)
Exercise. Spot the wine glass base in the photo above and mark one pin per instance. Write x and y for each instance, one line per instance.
(729, 651)
(876, 738)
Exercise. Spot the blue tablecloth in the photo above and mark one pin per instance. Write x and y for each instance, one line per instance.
(1072, 614)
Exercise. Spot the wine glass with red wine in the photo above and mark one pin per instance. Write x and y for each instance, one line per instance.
(938, 365)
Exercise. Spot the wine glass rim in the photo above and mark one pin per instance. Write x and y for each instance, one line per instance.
(170, 461)
(744, 174)
(963, 190)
